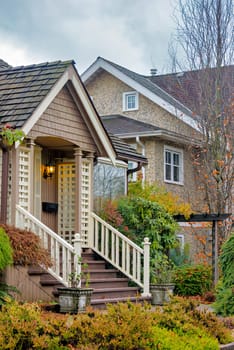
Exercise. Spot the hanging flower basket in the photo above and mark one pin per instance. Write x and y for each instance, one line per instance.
(9, 135)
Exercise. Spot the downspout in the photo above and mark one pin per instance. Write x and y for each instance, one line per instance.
(143, 153)
(139, 164)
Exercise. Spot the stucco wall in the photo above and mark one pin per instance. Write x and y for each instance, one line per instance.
(107, 92)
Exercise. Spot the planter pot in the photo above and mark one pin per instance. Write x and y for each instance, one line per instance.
(161, 293)
(74, 300)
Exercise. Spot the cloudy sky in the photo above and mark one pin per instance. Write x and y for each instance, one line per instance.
(132, 33)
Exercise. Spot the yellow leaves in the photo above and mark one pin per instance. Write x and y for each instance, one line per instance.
(172, 203)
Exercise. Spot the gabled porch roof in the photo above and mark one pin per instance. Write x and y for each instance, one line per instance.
(26, 92)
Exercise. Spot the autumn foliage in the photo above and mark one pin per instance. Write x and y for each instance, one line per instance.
(26, 246)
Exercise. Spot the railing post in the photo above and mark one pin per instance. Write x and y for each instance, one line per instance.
(91, 231)
(146, 244)
(78, 248)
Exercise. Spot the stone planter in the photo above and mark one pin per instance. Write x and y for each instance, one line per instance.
(161, 293)
(74, 300)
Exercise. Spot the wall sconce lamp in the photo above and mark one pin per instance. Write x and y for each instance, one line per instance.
(49, 170)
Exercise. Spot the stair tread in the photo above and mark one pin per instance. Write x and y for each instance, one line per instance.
(114, 279)
(116, 289)
(119, 299)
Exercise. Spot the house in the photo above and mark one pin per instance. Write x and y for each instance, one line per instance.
(152, 116)
(47, 180)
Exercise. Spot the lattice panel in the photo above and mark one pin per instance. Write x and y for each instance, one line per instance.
(24, 178)
(85, 200)
(66, 200)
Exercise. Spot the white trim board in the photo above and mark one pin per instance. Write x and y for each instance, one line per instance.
(71, 75)
(101, 63)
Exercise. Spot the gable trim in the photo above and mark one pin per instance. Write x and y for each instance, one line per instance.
(101, 63)
(70, 74)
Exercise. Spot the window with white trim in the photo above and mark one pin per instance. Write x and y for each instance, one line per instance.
(173, 165)
(130, 101)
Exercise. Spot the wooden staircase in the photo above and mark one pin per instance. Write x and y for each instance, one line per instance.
(109, 285)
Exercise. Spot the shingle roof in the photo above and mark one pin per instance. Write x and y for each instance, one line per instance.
(23, 88)
(126, 152)
(152, 86)
(186, 86)
(122, 125)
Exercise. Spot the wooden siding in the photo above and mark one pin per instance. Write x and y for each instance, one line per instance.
(63, 119)
(28, 286)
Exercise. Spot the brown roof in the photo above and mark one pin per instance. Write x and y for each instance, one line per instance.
(186, 87)
(122, 126)
(23, 88)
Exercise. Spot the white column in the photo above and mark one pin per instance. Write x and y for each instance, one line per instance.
(146, 244)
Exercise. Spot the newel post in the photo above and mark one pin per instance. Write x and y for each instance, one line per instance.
(146, 244)
(77, 262)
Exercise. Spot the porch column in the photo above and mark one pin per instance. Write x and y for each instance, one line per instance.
(32, 173)
(78, 182)
(14, 183)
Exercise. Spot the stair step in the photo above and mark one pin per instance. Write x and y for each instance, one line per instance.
(102, 303)
(103, 273)
(102, 293)
(95, 264)
(105, 283)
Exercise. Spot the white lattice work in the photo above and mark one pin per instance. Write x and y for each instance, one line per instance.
(24, 178)
(85, 199)
(66, 201)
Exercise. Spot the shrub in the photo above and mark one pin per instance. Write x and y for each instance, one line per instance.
(184, 317)
(26, 246)
(165, 339)
(224, 304)
(192, 280)
(6, 252)
(122, 326)
(227, 262)
(145, 218)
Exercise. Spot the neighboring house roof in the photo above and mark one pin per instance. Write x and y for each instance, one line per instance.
(26, 91)
(126, 128)
(124, 151)
(186, 86)
(144, 86)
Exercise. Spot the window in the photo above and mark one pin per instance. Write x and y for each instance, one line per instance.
(173, 165)
(133, 176)
(130, 101)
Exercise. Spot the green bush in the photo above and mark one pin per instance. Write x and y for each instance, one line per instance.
(224, 304)
(165, 339)
(6, 252)
(192, 280)
(145, 218)
(122, 326)
(227, 262)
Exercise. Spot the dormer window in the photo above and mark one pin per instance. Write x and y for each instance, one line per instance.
(130, 101)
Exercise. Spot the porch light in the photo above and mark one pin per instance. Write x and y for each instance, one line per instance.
(49, 170)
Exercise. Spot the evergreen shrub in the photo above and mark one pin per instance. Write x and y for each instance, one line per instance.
(192, 280)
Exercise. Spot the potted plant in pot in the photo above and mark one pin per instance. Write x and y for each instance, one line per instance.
(161, 286)
(74, 298)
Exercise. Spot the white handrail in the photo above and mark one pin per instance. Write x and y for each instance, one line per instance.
(121, 252)
(62, 253)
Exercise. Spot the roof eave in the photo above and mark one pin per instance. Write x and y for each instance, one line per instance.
(101, 63)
